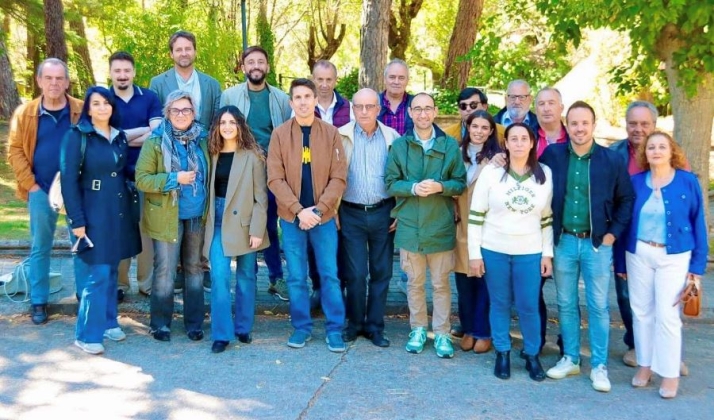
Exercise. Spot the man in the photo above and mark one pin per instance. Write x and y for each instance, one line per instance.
(271, 109)
(518, 105)
(592, 205)
(141, 113)
(306, 172)
(424, 171)
(36, 131)
(367, 229)
(395, 101)
(470, 100)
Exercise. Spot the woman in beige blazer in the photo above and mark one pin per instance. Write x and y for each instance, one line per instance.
(235, 225)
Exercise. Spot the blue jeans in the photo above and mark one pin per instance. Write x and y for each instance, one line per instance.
(223, 325)
(43, 221)
(81, 269)
(323, 239)
(573, 257)
(513, 279)
(473, 305)
(271, 254)
(98, 304)
(166, 256)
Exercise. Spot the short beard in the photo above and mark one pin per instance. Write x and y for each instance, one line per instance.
(256, 81)
(123, 87)
(517, 114)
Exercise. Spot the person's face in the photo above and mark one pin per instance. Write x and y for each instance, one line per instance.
(99, 109)
(325, 79)
(518, 101)
(468, 106)
(183, 53)
(639, 124)
(181, 114)
(53, 81)
(658, 151)
(580, 126)
(397, 79)
(548, 107)
(518, 142)
(366, 109)
(479, 130)
(303, 101)
(228, 127)
(423, 112)
(122, 74)
(255, 67)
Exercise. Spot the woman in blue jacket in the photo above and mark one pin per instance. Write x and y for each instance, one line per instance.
(666, 248)
(99, 211)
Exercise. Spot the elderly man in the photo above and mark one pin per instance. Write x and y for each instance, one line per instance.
(424, 171)
(36, 131)
(518, 105)
(366, 234)
(395, 101)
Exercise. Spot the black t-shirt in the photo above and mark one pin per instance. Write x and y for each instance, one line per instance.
(307, 195)
(223, 171)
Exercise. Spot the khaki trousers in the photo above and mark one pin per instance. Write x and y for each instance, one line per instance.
(440, 264)
(144, 267)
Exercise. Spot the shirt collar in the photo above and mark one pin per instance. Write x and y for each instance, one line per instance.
(586, 155)
(508, 121)
(332, 104)
(41, 110)
(432, 136)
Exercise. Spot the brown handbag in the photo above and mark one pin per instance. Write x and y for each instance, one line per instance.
(691, 298)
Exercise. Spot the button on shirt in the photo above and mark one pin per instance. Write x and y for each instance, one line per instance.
(365, 174)
(193, 87)
(397, 119)
(576, 210)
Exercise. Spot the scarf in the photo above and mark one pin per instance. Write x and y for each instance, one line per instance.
(170, 138)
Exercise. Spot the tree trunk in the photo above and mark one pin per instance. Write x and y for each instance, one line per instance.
(54, 29)
(9, 98)
(463, 36)
(373, 43)
(84, 64)
(400, 31)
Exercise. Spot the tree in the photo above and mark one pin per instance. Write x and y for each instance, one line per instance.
(80, 57)
(677, 34)
(456, 72)
(400, 30)
(326, 34)
(54, 29)
(373, 43)
(266, 39)
(9, 98)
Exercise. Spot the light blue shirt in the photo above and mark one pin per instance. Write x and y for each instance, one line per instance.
(426, 145)
(365, 174)
(651, 224)
(507, 121)
(192, 87)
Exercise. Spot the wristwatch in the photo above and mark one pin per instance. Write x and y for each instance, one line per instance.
(317, 211)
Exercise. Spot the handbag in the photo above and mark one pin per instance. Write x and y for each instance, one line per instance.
(18, 282)
(691, 298)
(55, 194)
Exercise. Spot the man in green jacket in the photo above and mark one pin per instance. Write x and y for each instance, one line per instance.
(424, 171)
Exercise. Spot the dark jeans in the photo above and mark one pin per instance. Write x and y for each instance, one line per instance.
(166, 256)
(623, 301)
(272, 253)
(367, 247)
(473, 305)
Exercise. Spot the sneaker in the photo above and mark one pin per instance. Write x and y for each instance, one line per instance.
(115, 334)
(178, 282)
(402, 286)
(279, 289)
(443, 347)
(563, 368)
(417, 338)
(335, 343)
(91, 348)
(630, 358)
(298, 339)
(207, 281)
(599, 377)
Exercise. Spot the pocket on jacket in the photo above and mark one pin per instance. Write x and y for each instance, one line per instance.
(245, 221)
(153, 217)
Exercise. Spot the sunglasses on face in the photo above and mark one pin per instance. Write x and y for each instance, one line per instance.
(473, 105)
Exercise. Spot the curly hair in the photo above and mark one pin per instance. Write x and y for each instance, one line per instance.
(245, 140)
(677, 161)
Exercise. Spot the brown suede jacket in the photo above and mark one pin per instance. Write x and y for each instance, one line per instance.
(23, 139)
(328, 163)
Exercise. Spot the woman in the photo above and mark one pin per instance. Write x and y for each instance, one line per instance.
(98, 205)
(666, 248)
(172, 170)
(510, 241)
(236, 224)
(482, 145)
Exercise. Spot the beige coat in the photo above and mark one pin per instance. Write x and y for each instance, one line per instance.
(463, 204)
(246, 210)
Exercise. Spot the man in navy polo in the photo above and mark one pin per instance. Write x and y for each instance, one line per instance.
(140, 112)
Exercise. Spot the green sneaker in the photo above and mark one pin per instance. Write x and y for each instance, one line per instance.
(279, 290)
(442, 344)
(417, 338)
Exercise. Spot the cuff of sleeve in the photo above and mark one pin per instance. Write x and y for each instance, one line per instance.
(414, 189)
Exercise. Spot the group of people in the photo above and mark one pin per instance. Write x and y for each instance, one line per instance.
(505, 202)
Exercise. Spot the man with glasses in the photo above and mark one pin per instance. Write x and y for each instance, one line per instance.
(424, 171)
(395, 101)
(518, 105)
(367, 229)
(470, 100)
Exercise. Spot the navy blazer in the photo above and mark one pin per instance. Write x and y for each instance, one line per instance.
(611, 194)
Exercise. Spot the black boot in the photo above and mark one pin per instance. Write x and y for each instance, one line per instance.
(502, 370)
(534, 368)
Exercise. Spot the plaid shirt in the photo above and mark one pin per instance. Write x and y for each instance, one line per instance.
(396, 120)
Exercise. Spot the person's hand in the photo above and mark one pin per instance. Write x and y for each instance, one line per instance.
(693, 278)
(429, 186)
(477, 267)
(498, 160)
(622, 276)
(546, 266)
(34, 188)
(79, 232)
(608, 239)
(393, 226)
(308, 219)
(186, 177)
(255, 242)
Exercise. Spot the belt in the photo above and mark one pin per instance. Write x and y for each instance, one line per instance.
(368, 207)
(581, 235)
(654, 244)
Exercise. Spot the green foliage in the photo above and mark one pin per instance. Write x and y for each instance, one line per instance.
(266, 39)
(446, 100)
(348, 85)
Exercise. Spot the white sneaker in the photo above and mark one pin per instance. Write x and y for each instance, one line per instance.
(91, 348)
(115, 334)
(563, 368)
(599, 377)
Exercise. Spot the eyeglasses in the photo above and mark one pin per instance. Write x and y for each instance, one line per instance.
(472, 105)
(521, 97)
(426, 109)
(359, 107)
(180, 111)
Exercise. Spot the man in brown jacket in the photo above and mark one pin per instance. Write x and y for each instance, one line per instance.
(36, 131)
(306, 173)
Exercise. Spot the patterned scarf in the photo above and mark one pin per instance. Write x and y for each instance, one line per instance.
(170, 139)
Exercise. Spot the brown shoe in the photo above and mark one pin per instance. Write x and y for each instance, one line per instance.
(467, 342)
(483, 345)
(683, 369)
(630, 358)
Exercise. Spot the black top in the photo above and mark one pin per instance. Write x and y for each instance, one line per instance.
(223, 171)
(307, 196)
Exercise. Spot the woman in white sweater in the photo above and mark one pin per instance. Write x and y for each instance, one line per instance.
(511, 244)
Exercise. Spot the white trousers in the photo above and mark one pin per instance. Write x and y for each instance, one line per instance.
(655, 280)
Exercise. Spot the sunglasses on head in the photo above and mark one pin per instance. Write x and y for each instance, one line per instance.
(473, 105)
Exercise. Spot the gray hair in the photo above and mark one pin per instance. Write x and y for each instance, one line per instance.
(550, 89)
(393, 62)
(326, 64)
(53, 61)
(643, 104)
(518, 82)
(174, 96)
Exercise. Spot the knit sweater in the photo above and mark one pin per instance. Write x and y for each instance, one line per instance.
(510, 216)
